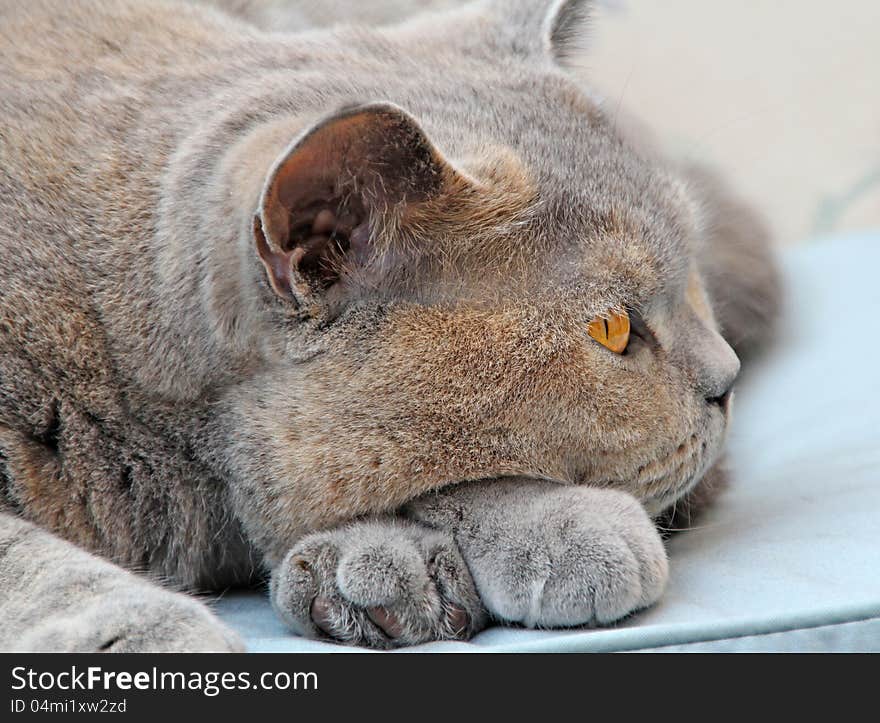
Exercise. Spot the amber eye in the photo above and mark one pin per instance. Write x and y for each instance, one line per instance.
(611, 330)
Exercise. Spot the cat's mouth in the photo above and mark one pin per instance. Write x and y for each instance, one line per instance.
(658, 471)
(660, 476)
(667, 478)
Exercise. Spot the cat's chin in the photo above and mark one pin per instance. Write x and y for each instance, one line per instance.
(657, 505)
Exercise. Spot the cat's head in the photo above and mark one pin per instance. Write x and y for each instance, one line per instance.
(496, 286)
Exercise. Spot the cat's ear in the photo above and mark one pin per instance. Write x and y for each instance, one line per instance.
(329, 192)
(553, 28)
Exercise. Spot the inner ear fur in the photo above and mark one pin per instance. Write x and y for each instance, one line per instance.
(327, 192)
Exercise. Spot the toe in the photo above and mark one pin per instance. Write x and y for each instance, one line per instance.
(321, 613)
(387, 621)
(458, 621)
(382, 575)
(293, 587)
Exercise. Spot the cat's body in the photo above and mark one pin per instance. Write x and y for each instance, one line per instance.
(190, 394)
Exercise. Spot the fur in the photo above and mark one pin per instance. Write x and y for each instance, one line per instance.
(192, 388)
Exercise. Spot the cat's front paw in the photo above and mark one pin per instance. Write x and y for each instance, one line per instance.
(380, 584)
(132, 619)
(564, 556)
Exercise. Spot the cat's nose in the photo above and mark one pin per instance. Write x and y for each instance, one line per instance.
(723, 401)
(719, 373)
(710, 362)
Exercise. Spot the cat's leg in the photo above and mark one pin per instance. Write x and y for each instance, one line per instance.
(546, 555)
(55, 596)
(381, 583)
(525, 551)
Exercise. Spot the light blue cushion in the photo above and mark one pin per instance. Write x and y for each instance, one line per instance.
(789, 559)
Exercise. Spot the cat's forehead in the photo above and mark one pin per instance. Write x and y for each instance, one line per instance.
(561, 245)
(597, 217)
(592, 206)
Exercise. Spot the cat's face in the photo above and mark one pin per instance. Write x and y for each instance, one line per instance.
(437, 288)
(438, 315)
(470, 390)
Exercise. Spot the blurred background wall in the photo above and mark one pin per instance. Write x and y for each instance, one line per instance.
(783, 95)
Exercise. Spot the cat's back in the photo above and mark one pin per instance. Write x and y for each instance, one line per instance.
(75, 78)
(94, 99)
(85, 131)
(90, 96)
(51, 39)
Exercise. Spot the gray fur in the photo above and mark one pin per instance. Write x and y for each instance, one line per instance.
(549, 556)
(531, 553)
(55, 596)
(194, 387)
(380, 583)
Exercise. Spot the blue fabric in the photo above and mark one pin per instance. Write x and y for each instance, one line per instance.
(790, 556)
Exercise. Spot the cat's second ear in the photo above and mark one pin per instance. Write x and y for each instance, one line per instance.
(329, 192)
(550, 28)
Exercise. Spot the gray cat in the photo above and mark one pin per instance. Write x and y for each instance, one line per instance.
(394, 314)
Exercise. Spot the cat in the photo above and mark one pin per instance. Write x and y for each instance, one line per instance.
(399, 316)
